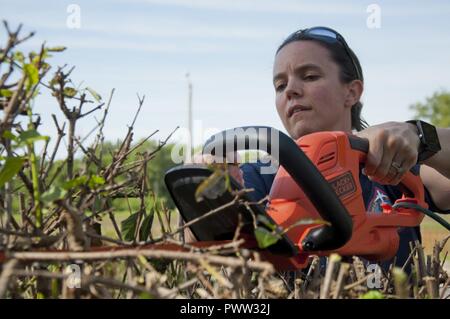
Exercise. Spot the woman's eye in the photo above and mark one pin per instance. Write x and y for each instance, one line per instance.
(280, 87)
(311, 77)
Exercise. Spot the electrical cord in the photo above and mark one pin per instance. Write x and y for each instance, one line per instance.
(426, 211)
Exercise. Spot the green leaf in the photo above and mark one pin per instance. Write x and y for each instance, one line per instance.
(10, 169)
(70, 92)
(9, 135)
(32, 55)
(45, 65)
(6, 93)
(73, 183)
(56, 49)
(372, 294)
(128, 226)
(96, 96)
(146, 226)
(54, 288)
(92, 182)
(31, 136)
(266, 222)
(54, 193)
(145, 295)
(32, 74)
(18, 56)
(212, 187)
(265, 238)
(95, 181)
(36, 57)
(98, 204)
(53, 81)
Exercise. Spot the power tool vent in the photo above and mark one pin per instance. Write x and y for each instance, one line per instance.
(326, 158)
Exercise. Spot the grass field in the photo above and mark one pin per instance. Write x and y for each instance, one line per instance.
(432, 232)
(108, 227)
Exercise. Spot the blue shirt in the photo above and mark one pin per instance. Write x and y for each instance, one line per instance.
(374, 195)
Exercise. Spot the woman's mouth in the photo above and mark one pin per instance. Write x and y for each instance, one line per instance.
(296, 109)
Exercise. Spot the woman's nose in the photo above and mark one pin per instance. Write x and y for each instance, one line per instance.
(294, 89)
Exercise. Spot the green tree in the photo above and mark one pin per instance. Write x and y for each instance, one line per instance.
(436, 109)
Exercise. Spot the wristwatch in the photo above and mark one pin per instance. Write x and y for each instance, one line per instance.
(429, 140)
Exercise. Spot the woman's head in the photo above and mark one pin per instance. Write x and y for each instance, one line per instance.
(318, 82)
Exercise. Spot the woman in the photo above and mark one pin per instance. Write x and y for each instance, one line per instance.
(318, 82)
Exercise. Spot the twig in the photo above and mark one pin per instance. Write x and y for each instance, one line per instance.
(333, 263)
(342, 276)
(432, 287)
(133, 253)
(181, 287)
(5, 276)
(206, 215)
(444, 289)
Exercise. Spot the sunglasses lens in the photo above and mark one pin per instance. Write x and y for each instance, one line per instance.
(322, 33)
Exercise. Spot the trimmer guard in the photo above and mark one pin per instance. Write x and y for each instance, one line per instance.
(182, 183)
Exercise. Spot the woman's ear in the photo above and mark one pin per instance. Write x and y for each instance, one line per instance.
(355, 89)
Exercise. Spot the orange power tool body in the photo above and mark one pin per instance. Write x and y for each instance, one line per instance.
(339, 157)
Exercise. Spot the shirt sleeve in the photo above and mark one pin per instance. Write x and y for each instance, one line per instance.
(253, 179)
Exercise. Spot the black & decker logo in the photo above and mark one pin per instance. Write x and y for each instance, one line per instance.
(343, 184)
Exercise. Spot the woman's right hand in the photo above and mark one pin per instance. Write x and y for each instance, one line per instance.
(233, 168)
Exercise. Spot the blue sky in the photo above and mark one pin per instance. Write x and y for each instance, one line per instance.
(147, 46)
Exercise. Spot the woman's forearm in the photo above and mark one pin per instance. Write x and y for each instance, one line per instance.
(441, 160)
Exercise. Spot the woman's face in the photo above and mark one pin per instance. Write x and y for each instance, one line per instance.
(309, 94)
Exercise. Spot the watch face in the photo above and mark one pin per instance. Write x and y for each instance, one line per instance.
(430, 136)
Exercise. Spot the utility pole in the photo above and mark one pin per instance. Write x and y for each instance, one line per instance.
(190, 146)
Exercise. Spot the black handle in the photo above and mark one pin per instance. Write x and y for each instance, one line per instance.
(359, 143)
(304, 173)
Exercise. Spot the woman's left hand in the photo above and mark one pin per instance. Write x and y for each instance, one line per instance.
(393, 150)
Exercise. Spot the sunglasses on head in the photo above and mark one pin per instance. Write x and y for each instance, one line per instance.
(330, 36)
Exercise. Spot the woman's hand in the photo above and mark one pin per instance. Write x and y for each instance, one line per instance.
(233, 169)
(393, 150)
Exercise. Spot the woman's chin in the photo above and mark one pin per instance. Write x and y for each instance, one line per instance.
(300, 130)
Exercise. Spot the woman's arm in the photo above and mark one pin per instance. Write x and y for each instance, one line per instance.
(396, 144)
(435, 173)
(438, 185)
(441, 160)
